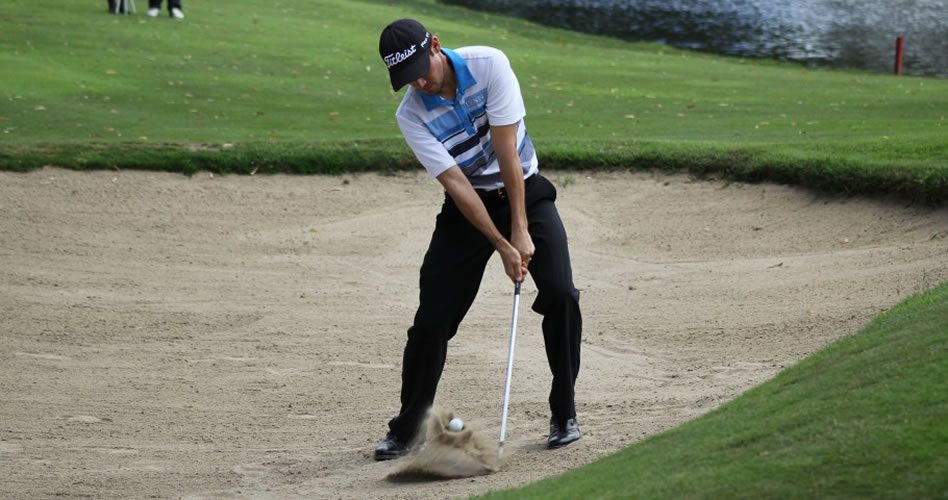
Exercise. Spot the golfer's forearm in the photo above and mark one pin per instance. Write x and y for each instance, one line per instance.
(469, 204)
(504, 139)
(513, 184)
(473, 209)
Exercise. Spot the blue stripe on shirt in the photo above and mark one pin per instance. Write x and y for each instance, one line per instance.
(444, 126)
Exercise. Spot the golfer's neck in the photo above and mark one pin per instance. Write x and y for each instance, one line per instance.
(450, 87)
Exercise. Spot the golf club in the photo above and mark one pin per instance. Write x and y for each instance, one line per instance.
(510, 358)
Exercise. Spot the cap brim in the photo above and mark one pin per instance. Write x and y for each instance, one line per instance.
(409, 71)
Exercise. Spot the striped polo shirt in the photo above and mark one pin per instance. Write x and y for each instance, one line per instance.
(443, 133)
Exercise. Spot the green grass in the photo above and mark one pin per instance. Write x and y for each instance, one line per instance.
(866, 417)
(297, 86)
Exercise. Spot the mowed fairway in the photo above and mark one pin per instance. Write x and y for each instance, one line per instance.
(241, 336)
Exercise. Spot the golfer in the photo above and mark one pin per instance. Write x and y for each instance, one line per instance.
(463, 119)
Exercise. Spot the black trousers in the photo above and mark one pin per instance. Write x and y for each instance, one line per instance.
(450, 277)
(172, 4)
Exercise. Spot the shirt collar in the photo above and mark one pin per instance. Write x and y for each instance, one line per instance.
(462, 75)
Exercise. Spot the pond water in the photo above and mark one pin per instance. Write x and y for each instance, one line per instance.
(858, 34)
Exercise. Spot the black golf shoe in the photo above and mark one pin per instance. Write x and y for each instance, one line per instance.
(390, 447)
(563, 433)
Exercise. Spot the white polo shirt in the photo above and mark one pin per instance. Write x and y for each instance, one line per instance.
(445, 133)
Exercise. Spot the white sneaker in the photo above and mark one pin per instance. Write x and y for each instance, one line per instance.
(153, 12)
(177, 14)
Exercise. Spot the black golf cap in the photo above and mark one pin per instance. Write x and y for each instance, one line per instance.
(404, 46)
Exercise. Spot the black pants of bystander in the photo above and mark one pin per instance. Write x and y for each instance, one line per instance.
(172, 4)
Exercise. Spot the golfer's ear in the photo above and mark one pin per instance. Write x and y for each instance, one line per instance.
(435, 44)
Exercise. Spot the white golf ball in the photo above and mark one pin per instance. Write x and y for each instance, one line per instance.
(455, 424)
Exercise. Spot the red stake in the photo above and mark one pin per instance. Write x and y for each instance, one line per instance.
(899, 46)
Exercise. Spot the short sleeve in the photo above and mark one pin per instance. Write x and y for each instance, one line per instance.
(430, 153)
(504, 100)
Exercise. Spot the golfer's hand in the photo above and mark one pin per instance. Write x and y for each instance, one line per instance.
(522, 241)
(513, 264)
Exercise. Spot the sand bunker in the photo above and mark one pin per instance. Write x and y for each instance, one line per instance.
(241, 336)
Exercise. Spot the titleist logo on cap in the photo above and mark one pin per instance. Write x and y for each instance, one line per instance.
(397, 57)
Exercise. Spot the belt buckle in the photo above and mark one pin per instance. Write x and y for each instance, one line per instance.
(501, 193)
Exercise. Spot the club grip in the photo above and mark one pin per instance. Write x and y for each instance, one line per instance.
(517, 288)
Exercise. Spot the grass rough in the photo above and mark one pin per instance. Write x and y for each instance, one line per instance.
(863, 418)
(257, 86)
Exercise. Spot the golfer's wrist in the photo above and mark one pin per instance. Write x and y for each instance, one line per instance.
(497, 241)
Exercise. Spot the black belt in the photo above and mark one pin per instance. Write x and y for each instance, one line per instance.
(501, 192)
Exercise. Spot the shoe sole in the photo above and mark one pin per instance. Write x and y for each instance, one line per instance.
(382, 458)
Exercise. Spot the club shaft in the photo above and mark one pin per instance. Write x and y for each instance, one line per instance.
(510, 358)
